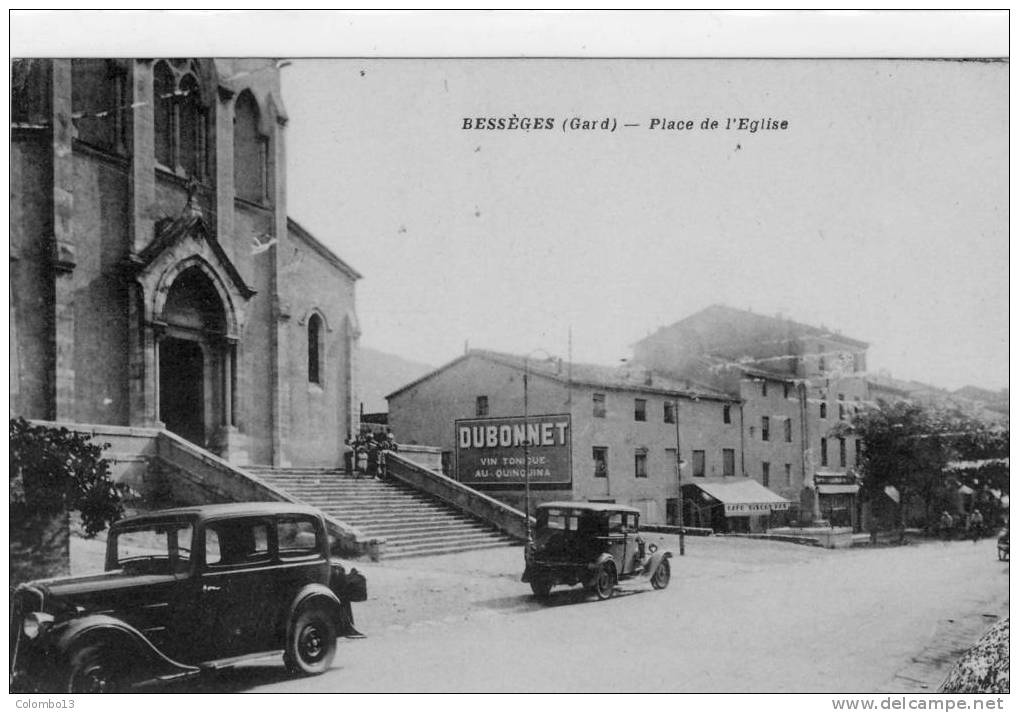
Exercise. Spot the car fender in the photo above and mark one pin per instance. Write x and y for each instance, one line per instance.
(652, 562)
(103, 628)
(310, 593)
(596, 565)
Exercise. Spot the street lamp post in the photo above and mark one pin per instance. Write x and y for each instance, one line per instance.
(527, 443)
(679, 482)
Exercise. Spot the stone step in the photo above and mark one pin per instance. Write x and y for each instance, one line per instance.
(412, 523)
(437, 538)
(429, 550)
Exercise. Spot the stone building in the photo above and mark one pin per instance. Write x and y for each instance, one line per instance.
(155, 276)
(624, 425)
(797, 384)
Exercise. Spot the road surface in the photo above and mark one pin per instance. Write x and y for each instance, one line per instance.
(740, 615)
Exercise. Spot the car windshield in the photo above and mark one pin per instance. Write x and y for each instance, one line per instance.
(155, 548)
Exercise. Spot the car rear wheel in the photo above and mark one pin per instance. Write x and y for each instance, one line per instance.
(660, 579)
(541, 587)
(95, 669)
(311, 644)
(605, 581)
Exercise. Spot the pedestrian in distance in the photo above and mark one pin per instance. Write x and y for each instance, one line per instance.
(348, 456)
(946, 525)
(976, 525)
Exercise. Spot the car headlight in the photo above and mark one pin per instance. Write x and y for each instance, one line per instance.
(35, 623)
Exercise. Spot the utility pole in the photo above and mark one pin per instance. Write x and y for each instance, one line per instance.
(679, 483)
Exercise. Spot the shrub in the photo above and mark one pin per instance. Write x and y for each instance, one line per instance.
(54, 470)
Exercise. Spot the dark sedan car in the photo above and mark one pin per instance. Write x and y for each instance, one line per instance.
(185, 591)
(593, 544)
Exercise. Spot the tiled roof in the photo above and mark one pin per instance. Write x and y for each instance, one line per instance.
(624, 378)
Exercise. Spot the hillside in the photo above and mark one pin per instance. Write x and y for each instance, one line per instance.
(380, 373)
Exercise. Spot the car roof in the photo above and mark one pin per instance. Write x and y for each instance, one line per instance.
(206, 512)
(591, 507)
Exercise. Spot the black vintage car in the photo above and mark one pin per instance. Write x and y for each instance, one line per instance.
(594, 544)
(185, 591)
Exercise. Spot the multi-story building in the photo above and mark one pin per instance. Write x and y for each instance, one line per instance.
(156, 278)
(625, 425)
(797, 384)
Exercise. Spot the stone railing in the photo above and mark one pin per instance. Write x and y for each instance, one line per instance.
(507, 519)
(162, 470)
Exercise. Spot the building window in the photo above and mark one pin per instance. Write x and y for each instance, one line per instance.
(788, 426)
(821, 364)
(601, 461)
(858, 362)
(824, 451)
(764, 387)
(765, 428)
(698, 464)
(251, 151)
(858, 446)
(726, 414)
(599, 405)
(824, 409)
(670, 412)
(180, 121)
(842, 407)
(99, 102)
(670, 457)
(785, 391)
(639, 410)
(766, 473)
(842, 452)
(315, 349)
(728, 461)
(640, 463)
(481, 406)
(788, 474)
(163, 87)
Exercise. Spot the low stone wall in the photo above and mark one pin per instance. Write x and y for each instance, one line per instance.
(164, 470)
(502, 516)
(428, 457)
(833, 538)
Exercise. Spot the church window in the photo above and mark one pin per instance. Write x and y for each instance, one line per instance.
(315, 349)
(251, 151)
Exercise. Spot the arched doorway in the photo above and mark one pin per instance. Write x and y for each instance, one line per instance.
(193, 358)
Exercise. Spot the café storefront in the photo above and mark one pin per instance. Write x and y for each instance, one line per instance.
(730, 505)
(837, 497)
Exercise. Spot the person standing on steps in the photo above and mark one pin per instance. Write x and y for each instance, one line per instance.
(348, 456)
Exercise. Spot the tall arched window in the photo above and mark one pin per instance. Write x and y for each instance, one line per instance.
(163, 88)
(192, 128)
(315, 349)
(250, 151)
(99, 102)
(180, 119)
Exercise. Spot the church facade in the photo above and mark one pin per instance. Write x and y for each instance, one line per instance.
(155, 276)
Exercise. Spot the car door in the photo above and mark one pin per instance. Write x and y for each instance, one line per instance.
(616, 541)
(236, 588)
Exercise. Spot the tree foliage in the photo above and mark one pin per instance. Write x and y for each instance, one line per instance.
(55, 470)
(908, 445)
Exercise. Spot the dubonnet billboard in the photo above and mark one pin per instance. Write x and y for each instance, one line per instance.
(491, 450)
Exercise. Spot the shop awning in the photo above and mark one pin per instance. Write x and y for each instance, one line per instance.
(824, 489)
(743, 497)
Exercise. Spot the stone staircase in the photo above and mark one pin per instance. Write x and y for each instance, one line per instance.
(413, 524)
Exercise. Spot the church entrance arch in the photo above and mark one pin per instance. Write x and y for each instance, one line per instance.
(194, 358)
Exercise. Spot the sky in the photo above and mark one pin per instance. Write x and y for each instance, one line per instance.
(881, 211)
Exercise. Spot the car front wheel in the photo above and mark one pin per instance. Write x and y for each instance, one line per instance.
(311, 645)
(95, 669)
(660, 579)
(605, 581)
